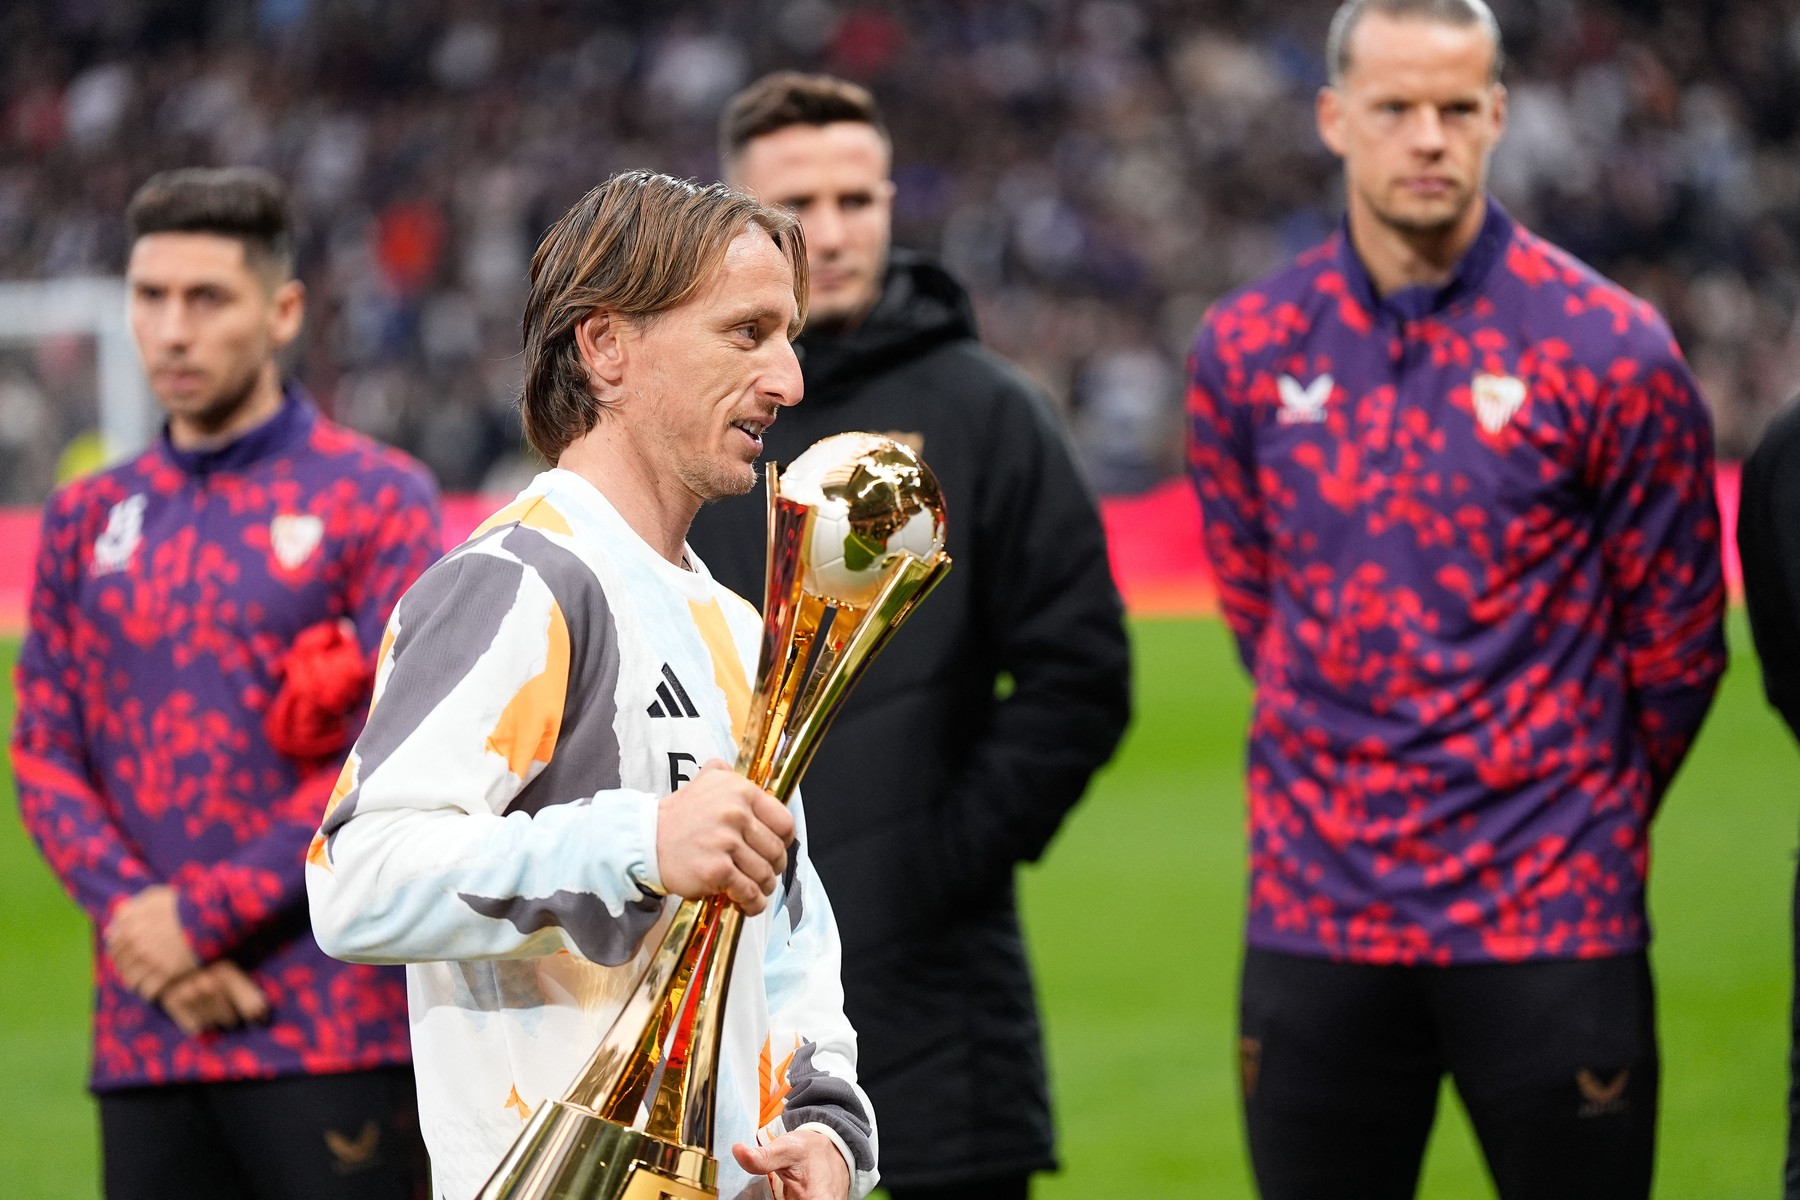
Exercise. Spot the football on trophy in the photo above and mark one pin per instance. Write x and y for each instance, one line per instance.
(874, 499)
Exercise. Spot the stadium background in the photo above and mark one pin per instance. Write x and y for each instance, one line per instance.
(1097, 172)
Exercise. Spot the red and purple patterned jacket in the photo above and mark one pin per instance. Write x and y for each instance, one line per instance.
(1466, 538)
(167, 592)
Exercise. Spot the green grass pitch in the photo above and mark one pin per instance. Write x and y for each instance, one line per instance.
(1134, 919)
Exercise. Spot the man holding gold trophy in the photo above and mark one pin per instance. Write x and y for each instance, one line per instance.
(543, 773)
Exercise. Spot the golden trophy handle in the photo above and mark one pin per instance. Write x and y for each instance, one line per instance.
(637, 1123)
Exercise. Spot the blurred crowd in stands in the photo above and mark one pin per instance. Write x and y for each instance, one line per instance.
(1097, 171)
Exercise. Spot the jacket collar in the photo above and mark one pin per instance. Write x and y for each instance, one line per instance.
(1413, 303)
(291, 424)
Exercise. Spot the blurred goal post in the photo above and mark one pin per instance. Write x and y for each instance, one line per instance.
(91, 307)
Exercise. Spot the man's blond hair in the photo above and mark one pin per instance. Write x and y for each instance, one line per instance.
(639, 245)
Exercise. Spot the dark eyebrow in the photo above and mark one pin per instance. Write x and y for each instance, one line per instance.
(185, 287)
(748, 316)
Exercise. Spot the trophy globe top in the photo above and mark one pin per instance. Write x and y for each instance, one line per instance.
(875, 500)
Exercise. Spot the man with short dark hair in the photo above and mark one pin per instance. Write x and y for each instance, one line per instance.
(1000, 698)
(791, 128)
(523, 805)
(1458, 495)
(202, 635)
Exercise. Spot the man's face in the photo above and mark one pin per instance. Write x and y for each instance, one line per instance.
(834, 178)
(205, 324)
(702, 381)
(1415, 119)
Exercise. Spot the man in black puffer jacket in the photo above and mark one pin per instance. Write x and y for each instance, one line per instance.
(1768, 536)
(976, 732)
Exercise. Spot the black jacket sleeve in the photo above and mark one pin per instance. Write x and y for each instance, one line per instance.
(1045, 599)
(1769, 543)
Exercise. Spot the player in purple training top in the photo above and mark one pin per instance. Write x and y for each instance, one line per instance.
(1458, 497)
(203, 629)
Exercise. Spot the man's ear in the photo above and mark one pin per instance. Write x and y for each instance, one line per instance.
(599, 339)
(287, 312)
(1328, 111)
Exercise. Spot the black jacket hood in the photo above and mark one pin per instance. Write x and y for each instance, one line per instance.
(921, 307)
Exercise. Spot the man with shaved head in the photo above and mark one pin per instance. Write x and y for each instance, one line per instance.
(1458, 497)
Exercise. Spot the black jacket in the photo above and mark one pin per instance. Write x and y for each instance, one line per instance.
(1769, 542)
(931, 787)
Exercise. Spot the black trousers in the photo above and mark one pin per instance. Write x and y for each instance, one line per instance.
(345, 1137)
(1003, 1187)
(1556, 1063)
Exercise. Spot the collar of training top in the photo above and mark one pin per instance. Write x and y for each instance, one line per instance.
(291, 423)
(1415, 303)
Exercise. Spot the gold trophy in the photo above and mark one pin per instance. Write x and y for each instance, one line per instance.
(856, 535)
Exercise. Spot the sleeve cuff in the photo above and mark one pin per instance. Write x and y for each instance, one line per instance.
(208, 933)
(201, 910)
(640, 818)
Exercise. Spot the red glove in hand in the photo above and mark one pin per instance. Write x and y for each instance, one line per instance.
(324, 679)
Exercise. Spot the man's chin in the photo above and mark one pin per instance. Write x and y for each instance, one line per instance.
(722, 485)
(1428, 219)
(207, 412)
(193, 405)
(834, 314)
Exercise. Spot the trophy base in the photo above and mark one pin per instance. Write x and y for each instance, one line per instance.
(568, 1153)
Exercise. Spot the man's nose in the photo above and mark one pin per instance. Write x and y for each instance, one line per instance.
(1427, 130)
(825, 229)
(783, 382)
(173, 324)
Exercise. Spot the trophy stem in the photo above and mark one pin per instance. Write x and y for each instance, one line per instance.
(855, 636)
(791, 621)
(621, 1069)
(682, 1107)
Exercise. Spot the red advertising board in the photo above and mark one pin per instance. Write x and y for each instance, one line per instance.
(1154, 540)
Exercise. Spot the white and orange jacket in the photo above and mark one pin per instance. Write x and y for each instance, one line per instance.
(539, 690)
